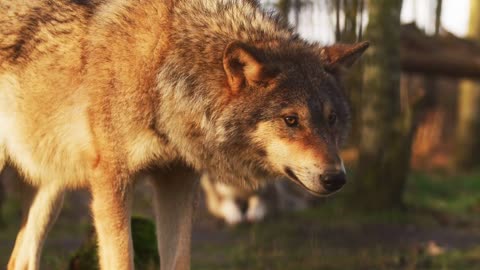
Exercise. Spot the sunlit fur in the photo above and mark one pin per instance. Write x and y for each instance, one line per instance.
(94, 93)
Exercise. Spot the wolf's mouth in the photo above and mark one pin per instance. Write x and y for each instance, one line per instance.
(295, 179)
(291, 174)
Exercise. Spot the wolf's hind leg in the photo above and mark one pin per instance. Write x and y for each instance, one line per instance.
(42, 207)
(175, 192)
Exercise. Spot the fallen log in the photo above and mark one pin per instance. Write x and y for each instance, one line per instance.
(444, 55)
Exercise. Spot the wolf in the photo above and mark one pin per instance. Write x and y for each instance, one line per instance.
(98, 93)
(236, 204)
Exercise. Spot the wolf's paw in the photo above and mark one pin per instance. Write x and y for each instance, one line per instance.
(257, 209)
(231, 212)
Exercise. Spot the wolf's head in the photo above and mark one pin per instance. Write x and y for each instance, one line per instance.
(287, 110)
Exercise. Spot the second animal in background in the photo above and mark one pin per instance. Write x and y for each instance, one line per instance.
(236, 204)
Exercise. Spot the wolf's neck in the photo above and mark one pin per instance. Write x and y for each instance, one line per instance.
(192, 83)
(201, 29)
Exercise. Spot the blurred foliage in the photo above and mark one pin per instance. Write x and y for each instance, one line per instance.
(457, 195)
(144, 245)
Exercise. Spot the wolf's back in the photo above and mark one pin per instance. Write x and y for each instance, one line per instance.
(31, 28)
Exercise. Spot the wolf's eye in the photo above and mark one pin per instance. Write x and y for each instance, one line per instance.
(332, 119)
(291, 120)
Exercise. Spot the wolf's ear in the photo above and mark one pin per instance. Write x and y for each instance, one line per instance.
(341, 56)
(244, 66)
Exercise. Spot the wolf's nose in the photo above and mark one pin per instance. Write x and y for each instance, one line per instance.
(333, 181)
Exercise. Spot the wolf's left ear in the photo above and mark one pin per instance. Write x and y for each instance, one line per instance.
(341, 56)
(243, 65)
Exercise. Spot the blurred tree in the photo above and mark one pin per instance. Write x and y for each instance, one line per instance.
(352, 10)
(430, 104)
(286, 6)
(438, 15)
(283, 7)
(337, 20)
(468, 126)
(384, 150)
(360, 15)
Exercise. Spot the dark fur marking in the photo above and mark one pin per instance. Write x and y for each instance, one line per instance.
(194, 131)
(82, 2)
(27, 39)
(26, 33)
(163, 137)
(295, 179)
(261, 153)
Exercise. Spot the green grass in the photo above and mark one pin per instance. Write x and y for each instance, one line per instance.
(455, 194)
(276, 245)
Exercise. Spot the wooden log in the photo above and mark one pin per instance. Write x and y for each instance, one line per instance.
(440, 64)
(443, 55)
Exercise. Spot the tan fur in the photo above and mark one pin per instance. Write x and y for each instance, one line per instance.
(307, 161)
(93, 93)
(42, 213)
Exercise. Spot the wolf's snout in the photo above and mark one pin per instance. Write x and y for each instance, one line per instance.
(333, 181)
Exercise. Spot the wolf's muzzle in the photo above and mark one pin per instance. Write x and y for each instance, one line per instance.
(333, 181)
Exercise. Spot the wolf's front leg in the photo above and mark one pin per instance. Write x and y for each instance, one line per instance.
(111, 197)
(175, 193)
(41, 207)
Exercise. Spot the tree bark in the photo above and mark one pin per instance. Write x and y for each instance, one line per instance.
(468, 129)
(384, 151)
(283, 7)
(438, 16)
(350, 9)
(353, 80)
(337, 20)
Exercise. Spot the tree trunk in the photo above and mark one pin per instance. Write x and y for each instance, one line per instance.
(468, 128)
(283, 7)
(438, 16)
(384, 151)
(353, 80)
(297, 8)
(360, 23)
(350, 9)
(431, 86)
(337, 20)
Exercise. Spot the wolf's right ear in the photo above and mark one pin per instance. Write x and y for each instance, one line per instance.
(244, 66)
(339, 57)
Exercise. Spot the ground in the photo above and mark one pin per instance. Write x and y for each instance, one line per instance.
(439, 229)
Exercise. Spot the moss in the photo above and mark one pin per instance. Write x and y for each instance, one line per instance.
(144, 244)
